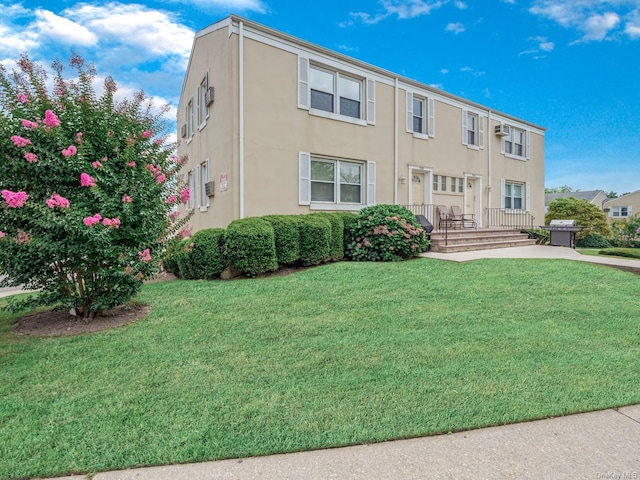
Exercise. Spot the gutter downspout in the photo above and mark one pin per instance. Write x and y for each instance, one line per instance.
(395, 146)
(241, 114)
(489, 163)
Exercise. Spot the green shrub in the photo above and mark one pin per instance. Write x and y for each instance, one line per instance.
(169, 261)
(387, 233)
(621, 252)
(206, 255)
(182, 258)
(287, 237)
(585, 214)
(250, 246)
(593, 240)
(542, 237)
(337, 234)
(315, 239)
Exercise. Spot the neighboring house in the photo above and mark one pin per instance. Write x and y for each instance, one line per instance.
(595, 197)
(272, 124)
(623, 207)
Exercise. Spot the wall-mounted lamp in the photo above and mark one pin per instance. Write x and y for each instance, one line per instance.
(402, 179)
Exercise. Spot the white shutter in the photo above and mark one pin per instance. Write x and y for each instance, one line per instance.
(528, 146)
(371, 183)
(502, 192)
(629, 210)
(480, 131)
(409, 112)
(196, 172)
(371, 101)
(527, 192)
(431, 126)
(464, 128)
(303, 83)
(304, 178)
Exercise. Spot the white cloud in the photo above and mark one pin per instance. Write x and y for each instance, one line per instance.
(542, 45)
(596, 19)
(455, 28)
(472, 71)
(135, 26)
(14, 43)
(63, 30)
(461, 5)
(632, 24)
(232, 5)
(444, 71)
(403, 9)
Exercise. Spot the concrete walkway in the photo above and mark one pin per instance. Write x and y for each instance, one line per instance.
(594, 445)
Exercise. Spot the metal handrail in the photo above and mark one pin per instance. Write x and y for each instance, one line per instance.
(504, 218)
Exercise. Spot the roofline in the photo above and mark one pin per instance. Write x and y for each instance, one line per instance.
(235, 19)
(622, 196)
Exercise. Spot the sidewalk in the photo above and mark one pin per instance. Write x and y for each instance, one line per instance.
(595, 445)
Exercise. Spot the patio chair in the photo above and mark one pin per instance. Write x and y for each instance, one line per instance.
(445, 219)
(467, 220)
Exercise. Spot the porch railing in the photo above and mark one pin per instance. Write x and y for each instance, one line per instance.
(428, 211)
(501, 218)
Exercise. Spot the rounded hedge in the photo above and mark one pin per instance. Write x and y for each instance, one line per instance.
(315, 239)
(287, 238)
(250, 246)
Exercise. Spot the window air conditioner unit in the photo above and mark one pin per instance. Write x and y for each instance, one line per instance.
(183, 130)
(502, 130)
(208, 96)
(209, 189)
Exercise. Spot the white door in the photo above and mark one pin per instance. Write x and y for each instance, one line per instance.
(417, 188)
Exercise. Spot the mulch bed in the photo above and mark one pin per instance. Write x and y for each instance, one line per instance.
(59, 323)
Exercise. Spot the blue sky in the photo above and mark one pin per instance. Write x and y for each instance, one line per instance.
(571, 66)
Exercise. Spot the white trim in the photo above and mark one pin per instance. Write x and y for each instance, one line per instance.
(336, 116)
(304, 178)
(431, 117)
(303, 83)
(241, 116)
(371, 100)
(409, 106)
(371, 183)
(527, 193)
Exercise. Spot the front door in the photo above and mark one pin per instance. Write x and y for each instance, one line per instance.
(470, 206)
(417, 188)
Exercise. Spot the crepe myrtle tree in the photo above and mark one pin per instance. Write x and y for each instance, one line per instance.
(89, 188)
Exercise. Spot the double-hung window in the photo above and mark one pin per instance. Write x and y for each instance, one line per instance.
(203, 200)
(517, 143)
(203, 109)
(190, 119)
(514, 195)
(335, 92)
(472, 130)
(420, 116)
(341, 182)
(336, 181)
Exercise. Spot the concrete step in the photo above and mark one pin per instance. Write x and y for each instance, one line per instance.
(478, 239)
(470, 246)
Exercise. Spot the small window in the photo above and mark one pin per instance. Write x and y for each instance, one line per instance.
(203, 110)
(513, 196)
(514, 143)
(444, 183)
(620, 212)
(472, 129)
(418, 115)
(461, 185)
(453, 184)
(435, 183)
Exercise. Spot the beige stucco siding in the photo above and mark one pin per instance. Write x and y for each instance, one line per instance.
(631, 201)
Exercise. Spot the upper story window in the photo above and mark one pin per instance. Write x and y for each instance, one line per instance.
(202, 107)
(335, 94)
(420, 116)
(620, 212)
(190, 118)
(516, 143)
(472, 130)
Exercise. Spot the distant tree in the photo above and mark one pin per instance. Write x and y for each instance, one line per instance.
(562, 189)
(586, 215)
(612, 194)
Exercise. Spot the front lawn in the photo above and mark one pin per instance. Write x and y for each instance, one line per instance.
(341, 354)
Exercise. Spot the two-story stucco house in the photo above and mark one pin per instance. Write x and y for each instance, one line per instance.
(624, 207)
(272, 124)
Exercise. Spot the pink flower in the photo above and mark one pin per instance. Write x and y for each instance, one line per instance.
(131, 164)
(22, 98)
(56, 200)
(89, 221)
(147, 134)
(2, 235)
(15, 199)
(79, 137)
(161, 178)
(96, 164)
(145, 256)
(126, 199)
(174, 214)
(29, 124)
(69, 152)
(20, 141)
(185, 232)
(104, 159)
(185, 195)
(172, 199)
(30, 157)
(158, 141)
(154, 170)
(50, 119)
(112, 222)
(87, 180)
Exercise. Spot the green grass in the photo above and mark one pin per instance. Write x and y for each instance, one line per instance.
(340, 354)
